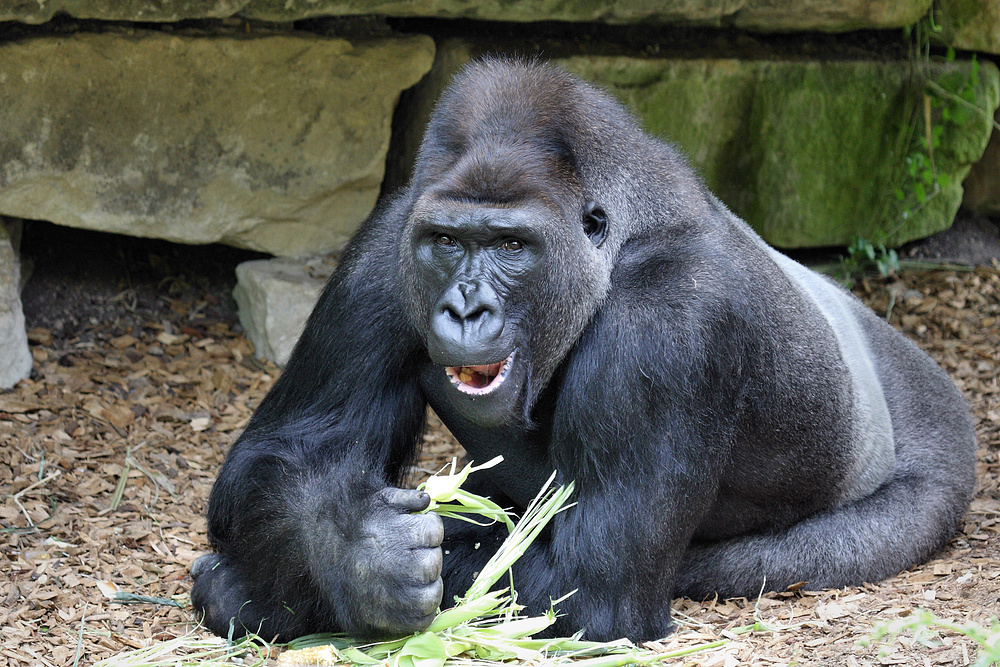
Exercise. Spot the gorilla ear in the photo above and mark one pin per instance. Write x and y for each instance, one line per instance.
(595, 223)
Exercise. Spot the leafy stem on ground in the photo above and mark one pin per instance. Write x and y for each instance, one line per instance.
(926, 627)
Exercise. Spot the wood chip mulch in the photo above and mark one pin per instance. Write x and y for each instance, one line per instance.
(110, 450)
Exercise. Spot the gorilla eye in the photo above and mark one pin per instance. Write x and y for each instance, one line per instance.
(512, 245)
(444, 240)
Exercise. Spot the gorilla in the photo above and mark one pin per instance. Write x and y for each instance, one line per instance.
(562, 289)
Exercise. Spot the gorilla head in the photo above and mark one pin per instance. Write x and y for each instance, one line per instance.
(505, 252)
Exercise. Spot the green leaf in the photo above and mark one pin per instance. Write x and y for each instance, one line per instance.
(424, 650)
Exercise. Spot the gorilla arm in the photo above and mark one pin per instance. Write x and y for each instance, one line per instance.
(648, 458)
(309, 533)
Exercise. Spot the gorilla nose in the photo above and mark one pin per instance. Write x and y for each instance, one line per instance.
(466, 321)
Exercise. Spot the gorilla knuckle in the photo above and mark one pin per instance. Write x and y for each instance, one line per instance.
(429, 566)
(428, 597)
(204, 565)
(427, 530)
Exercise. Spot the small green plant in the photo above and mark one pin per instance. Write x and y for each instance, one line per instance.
(925, 627)
(864, 256)
(940, 101)
(947, 103)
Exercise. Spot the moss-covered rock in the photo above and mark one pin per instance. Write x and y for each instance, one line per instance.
(982, 185)
(276, 144)
(973, 25)
(813, 153)
(40, 11)
(828, 15)
(764, 15)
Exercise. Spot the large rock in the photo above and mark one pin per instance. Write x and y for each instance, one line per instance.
(829, 15)
(40, 11)
(15, 359)
(274, 143)
(982, 186)
(810, 153)
(765, 15)
(275, 297)
(973, 25)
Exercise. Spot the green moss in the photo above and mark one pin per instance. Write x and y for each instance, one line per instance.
(809, 153)
(973, 25)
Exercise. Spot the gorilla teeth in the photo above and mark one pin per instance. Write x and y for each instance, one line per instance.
(479, 379)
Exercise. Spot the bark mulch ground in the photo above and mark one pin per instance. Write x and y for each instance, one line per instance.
(110, 451)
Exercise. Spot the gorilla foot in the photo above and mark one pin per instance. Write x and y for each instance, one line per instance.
(224, 603)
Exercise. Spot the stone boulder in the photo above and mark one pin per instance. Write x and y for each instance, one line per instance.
(973, 25)
(810, 153)
(275, 297)
(828, 15)
(275, 143)
(762, 15)
(15, 359)
(982, 186)
(40, 11)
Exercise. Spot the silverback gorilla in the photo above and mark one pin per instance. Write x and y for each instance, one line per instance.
(562, 289)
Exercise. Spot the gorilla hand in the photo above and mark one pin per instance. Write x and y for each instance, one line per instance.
(381, 577)
(392, 569)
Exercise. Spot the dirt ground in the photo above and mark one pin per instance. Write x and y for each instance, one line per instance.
(142, 380)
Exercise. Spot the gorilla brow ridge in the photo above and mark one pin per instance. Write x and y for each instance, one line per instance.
(508, 175)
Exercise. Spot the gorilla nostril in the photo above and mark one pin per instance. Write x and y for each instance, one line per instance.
(477, 316)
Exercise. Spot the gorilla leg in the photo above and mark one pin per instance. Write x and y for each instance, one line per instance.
(903, 523)
(910, 517)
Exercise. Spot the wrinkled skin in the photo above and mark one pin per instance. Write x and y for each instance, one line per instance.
(563, 290)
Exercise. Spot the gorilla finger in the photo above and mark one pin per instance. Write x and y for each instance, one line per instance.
(425, 530)
(428, 599)
(428, 567)
(409, 500)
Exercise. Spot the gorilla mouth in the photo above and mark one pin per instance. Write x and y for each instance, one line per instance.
(479, 380)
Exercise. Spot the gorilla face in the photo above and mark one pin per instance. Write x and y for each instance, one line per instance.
(469, 263)
(477, 270)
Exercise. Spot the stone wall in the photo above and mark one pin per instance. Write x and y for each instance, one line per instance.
(275, 126)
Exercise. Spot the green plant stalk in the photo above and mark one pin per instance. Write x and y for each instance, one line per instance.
(196, 652)
(539, 512)
(486, 605)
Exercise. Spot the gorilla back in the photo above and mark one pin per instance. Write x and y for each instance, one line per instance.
(563, 290)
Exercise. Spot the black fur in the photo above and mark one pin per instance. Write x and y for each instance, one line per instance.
(731, 420)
